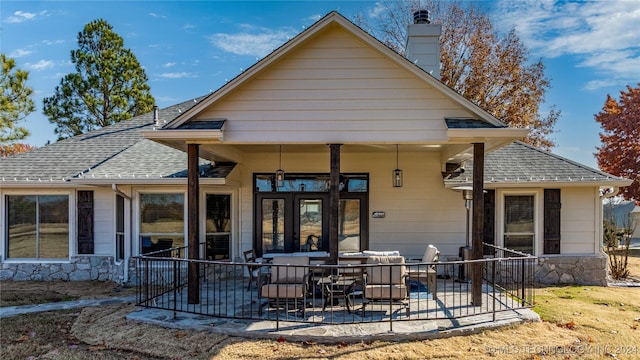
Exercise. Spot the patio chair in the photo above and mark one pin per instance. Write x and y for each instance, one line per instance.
(427, 275)
(386, 283)
(288, 282)
(250, 257)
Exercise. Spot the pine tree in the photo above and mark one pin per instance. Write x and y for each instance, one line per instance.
(15, 102)
(108, 86)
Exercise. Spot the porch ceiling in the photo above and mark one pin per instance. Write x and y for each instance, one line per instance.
(217, 152)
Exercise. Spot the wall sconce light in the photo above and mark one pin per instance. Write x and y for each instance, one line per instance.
(397, 173)
(280, 172)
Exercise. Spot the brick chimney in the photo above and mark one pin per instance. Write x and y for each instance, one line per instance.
(423, 43)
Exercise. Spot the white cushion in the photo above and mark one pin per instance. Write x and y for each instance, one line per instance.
(381, 253)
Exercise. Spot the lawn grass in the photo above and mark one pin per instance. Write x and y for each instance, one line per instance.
(579, 322)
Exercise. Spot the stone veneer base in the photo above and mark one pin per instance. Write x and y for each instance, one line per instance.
(79, 268)
(579, 270)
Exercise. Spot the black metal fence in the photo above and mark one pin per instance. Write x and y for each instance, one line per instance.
(350, 292)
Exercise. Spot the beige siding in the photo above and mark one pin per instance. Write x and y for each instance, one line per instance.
(578, 216)
(334, 89)
(420, 213)
(104, 221)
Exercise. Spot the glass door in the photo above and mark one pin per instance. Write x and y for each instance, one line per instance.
(272, 229)
(311, 223)
(294, 216)
(292, 222)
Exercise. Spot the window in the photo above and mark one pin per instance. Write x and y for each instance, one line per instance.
(218, 227)
(349, 227)
(161, 222)
(38, 226)
(519, 224)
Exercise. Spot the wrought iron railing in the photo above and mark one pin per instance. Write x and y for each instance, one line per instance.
(337, 294)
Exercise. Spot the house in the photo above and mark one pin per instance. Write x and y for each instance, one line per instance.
(333, 142)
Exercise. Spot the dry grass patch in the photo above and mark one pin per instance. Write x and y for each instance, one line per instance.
(607, 316)
(496, 344)
(14, 293)
(580, 322)
(48, 336)
(634, 267)
(107, 327)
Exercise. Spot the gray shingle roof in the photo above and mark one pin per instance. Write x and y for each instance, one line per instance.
(522, 163)
(461, 123)
(112, 152)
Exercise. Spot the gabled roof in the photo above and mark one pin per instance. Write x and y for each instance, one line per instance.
(519, 165)
(115, 153)
(328, 20)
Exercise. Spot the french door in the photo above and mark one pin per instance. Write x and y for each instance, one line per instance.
(291, 222)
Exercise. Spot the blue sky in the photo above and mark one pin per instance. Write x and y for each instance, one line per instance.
(190, 48)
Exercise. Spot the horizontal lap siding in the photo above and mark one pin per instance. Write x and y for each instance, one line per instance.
(578, 219)
(104, 225)
(334, 88)
(422, 212)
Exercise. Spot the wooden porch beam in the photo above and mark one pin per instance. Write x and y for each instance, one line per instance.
(477, 227)
(193, 188)
(334, 200)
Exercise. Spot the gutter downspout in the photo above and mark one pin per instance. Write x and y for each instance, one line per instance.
(600, 214)
(125, 277)
(115, 189)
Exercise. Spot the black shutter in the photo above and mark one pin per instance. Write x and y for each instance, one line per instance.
(489, 219)
(552, 221)
(85, 222)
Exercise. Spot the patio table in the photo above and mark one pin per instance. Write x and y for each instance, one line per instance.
(336, 288)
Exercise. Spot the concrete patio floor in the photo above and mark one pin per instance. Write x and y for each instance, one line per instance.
(449, 314)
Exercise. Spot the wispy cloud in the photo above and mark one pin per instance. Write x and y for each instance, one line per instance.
(169, 64)
(253, 41)
(600, 34)
(40, 65)
(152, 14)
(313, 18)
(53, 42)
(375, 11)
(188, 26)
(19, 53)
(177, 75)
(22, 16)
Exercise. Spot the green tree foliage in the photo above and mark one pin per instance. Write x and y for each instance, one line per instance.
(486, 67)
(15, 103)
(108, 86)
(620, 150)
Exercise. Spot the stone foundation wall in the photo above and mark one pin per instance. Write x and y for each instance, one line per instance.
(80, 268)
(580, 270)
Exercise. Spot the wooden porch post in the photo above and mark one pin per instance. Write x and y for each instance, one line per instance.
(477, 228)
(193, 216)
(334, 201)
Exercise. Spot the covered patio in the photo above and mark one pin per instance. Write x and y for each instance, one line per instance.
(507, 289)
(296, 114)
